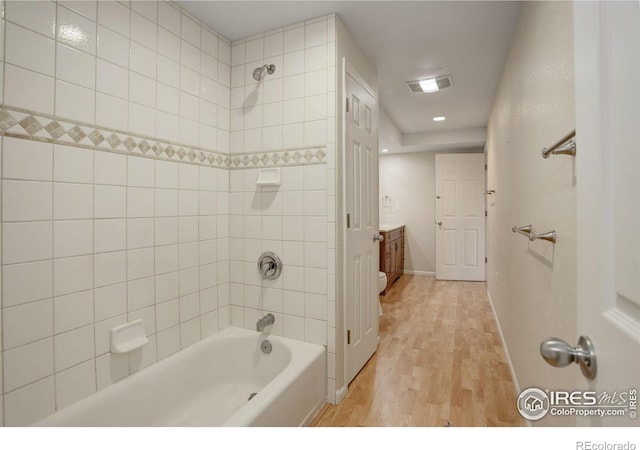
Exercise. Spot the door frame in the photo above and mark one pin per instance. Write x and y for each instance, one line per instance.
(341, 309)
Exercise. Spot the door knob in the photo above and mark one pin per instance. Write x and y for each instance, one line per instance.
(378, 238)
(439, 223)
(560, 354)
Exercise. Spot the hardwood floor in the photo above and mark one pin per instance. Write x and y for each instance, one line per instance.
(440, 361)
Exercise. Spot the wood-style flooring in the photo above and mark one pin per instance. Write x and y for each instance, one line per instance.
(440, 362)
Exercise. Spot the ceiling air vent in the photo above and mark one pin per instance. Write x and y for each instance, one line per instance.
(430, 85)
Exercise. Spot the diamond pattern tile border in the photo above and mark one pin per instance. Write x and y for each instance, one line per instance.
(25, 124)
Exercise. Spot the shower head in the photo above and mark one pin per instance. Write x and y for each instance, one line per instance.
(259, 73)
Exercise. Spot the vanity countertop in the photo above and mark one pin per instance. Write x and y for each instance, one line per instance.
(389, 226)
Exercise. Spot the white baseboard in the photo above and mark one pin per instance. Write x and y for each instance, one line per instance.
(420, 272)
(516, 385)
(341, 394)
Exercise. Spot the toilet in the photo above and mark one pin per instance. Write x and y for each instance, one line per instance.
(382, 284)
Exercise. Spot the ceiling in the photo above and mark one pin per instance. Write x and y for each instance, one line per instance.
(405, 41)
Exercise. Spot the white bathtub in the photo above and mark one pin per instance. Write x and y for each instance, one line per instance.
(209, 383)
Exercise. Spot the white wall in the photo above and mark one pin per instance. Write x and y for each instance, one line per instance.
(533, 285)
(97, 232)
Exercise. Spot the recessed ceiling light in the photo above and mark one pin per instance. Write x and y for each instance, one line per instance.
(439, 118)
(385, 150)
(429, 85)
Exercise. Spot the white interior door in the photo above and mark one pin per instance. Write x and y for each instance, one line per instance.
(460, 217)
(607, 47)
(361, 184)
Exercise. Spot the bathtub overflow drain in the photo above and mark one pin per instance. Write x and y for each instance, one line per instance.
(266, 347)
(253, 394)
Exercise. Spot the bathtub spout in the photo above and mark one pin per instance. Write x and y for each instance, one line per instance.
(266, 320)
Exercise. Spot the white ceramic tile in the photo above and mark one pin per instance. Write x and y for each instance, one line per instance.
(315, 83)
(26, 200)
(31, 403)
(293, 203)
(167, 127)
(27, 160)
(254, 50)
(187, 229)
(209, 90)
(315, 203)
(168, 71)
(110, 201)
(76, 383)
(315, 306)
(293, 303)
(315, 133)
(166, 259)
(115, 16)
(208, 113)
(18, 286)
(315, 107)
(28, 90)
(190, 55)
(140, 202)
(207, 227)
(72, 201)
(140, 233)
(111, 112)
(26, 241)
(37, 16)
(167, 315)
(112, 46)
(293, 253)
(75, 67)
(29, 50)
(189, 281)
(72, 275)
(86, 8)
(109, 235)
(188, 203)
(292, 178)
(189, 307)
(168, 342)
(110, 168)
(141, 293)
(142, 90)
(72, 311)
(293, 87)
(273, 44)
(293, 135)
(166, 175)
(166, 286)
(209, 324)
(189, 333)
(188, 255)
(111, 368)
(293, 279)
(143, 61)
(189, 132)
(27, 323)
(190, 30)
(237, 76)
(75, 30)
(142, 119)
(140, 263)
(224, 52)
(143, 31)
(224, 79)
(72, 164)
(148, 317)
(168, 44)
(72, 238)
(237, 54)
(75, 102)
(189, 106)
(293, 228)
(74, 347)
(147, 9)
(293, 39)
(169, 17)
(315, 34)
(166, 202)
(110, 301)
(168, 98)
(140, 172)
(209, 43)
(26, 364)
(166, 230)
(293, 327)
(315, 331)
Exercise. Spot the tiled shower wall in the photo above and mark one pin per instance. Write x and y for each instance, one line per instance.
(115, 193)
(293, 108)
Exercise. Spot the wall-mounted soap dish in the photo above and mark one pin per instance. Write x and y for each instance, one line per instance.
(268, 177)
(128, 337)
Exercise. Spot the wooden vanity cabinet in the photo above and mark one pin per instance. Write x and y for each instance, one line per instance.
(392, 255)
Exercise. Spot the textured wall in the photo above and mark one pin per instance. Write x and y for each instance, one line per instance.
(533, 285)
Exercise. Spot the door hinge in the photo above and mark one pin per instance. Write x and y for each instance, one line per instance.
(486, 214)
(348, 220)
(347, 108)
(485, 259)
(348, 337)
(485, 167)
